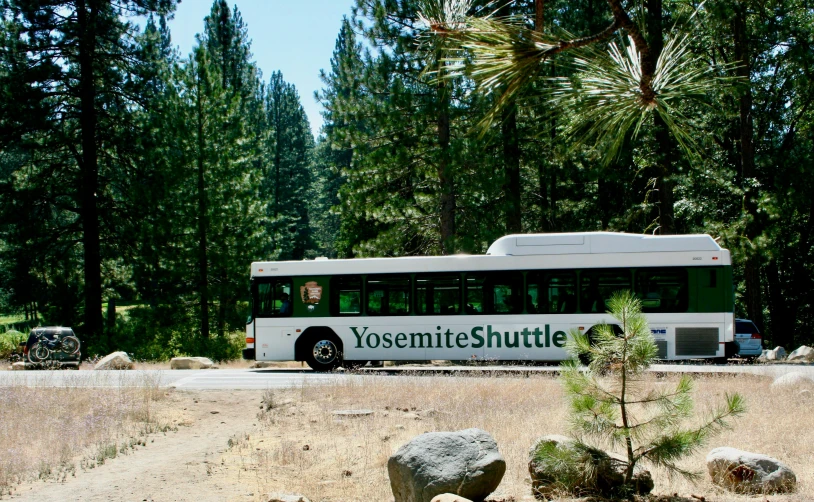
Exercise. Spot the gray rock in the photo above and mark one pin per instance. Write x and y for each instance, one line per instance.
(793, 379)
(191, 363)
(776, 354)
(803, 353)
(351, 413)
(559, 464)
(286, 497)
(449, 497)
(465, 463)
(744, 472)
(115, 361)
(18, 366)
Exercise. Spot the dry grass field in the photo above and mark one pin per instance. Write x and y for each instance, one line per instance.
(303, 448)
(49, 433)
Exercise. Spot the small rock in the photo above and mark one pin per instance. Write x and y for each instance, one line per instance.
(18, 366)
(557, 464)
(449, 497)
(352, 413)
(465, 462)
(744, 472)
(191, 363)
(263, 364)
(776, 354)
(802, 353)
(793, 379)
(115, 361)
(286, 497)
(214, 412)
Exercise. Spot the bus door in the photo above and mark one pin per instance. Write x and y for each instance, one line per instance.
(274, 337)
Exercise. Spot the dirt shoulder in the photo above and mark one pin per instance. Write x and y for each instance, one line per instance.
(178, 465)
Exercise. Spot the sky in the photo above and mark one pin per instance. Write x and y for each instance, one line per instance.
(296, 37)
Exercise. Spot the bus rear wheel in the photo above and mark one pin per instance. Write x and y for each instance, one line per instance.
(324, 353)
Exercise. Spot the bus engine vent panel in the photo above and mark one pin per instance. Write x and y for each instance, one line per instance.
(696, 341)
(662, 346)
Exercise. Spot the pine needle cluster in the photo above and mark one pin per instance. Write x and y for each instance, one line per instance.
(611, 404)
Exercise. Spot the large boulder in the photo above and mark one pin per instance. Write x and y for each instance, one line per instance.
(465, 463)
(744, 472)
(191, 363)
(115, 361)
(449, 497)
(794, 380)
(803, 353)
(776, 354)
(561, 465)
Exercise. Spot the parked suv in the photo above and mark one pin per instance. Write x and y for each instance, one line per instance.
(747, 336)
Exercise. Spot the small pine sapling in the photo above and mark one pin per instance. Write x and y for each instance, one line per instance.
(610, 402)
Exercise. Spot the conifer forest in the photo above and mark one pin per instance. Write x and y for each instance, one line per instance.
(137, 184)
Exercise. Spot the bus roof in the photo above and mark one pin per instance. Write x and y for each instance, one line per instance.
(598, 243)
(529, 251)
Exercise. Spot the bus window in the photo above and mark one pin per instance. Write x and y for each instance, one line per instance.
(474, 293)
(438, 294)
(273, 298)
(552, 292)
(662, 289)
(388, 295)
(597, 286)
(494, 293)
(346, 295)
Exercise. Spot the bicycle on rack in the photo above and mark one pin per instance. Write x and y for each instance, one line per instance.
(44, 343)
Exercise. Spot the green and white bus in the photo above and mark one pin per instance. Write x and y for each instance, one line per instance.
(517, 302)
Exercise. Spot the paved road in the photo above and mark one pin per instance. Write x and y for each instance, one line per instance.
(276, 378)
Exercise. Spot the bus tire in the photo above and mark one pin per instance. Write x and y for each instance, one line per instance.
(323, 351)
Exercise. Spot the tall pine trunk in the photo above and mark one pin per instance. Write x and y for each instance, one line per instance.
(754, 300)
(444, 175)
(511, 160)
(203, 217)
(88, 16)
(664, 147)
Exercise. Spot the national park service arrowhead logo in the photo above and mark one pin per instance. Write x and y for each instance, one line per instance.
(311, 292)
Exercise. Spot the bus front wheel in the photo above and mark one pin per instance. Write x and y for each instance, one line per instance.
(324, 353)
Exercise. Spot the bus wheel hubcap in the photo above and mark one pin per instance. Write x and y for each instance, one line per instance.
(324, 352)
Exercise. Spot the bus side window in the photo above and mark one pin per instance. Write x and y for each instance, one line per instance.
(346, 295)
(388, 295)
(597, 287)
(438, 294)
(506, 292)
(475, 293)
(562, 292)
(273, 298)
(662, 289)
(494, 293)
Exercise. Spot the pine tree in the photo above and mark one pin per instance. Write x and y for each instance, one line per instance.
(70, 62)
(611, 404)
(289, 176)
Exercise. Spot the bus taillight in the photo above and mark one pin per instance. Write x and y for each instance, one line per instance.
(249, 340)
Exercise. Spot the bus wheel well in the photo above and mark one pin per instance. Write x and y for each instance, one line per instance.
(301, 347)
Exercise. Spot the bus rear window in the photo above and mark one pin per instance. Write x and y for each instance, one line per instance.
(346, 295)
